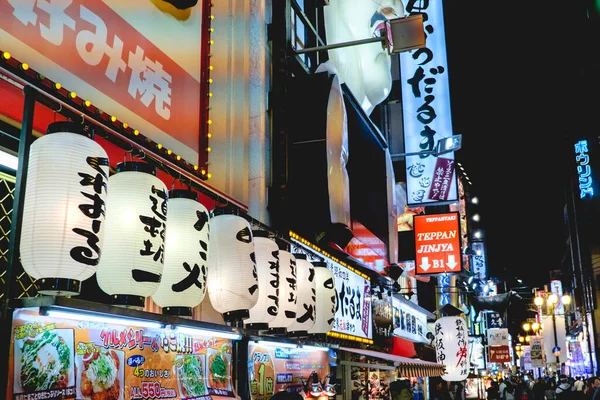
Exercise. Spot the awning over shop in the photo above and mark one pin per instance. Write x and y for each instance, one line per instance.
(407, 367)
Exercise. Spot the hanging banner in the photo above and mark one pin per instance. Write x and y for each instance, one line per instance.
(119, 56)
(536, 345)
(437, 243)
(53, 357)
(493, 319)
(497, 337)
(273, 369)
(552, 326)
(499, 354)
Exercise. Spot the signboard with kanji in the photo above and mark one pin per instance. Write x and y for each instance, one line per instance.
(437, 242)
(494, 320)
(500, 354)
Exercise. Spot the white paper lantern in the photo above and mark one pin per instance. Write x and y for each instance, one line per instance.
(306, 292)
(136, 214)
(232, 279)
(326, 298)
(62, 230)
(287, 292)
(267, 268)
(451, 338)
(183, 282)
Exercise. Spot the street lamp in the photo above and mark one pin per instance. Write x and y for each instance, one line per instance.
(551, 302)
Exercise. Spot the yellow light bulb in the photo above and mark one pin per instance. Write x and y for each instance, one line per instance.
(136, 132)
(6, 55)
(208, 149)
(178, 158)
(113, 118)
(87, 103)
(73, 95)
(24, 66)
(209, 122)
(209, 135)
(211, 30)
(210, 80)
(566, 299)
(159, 146)
(212, 17)
(538, 301)
(210, 68)
(57, 86)
(209, 176)
(125, 125)
(526, 326)
(210, 94)
(535, 326)
(203, 172)
(169, 152)
(195, 168)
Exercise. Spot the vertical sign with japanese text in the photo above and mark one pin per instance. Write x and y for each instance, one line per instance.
(120, 56)
(353, 305)
(426, 110)
(437, 243)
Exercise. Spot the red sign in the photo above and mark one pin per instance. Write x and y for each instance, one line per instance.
(499, 354)
(127, 67)
(437, 241)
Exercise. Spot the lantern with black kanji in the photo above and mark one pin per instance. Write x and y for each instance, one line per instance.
(306, 293)
(287, 293)
(232, 279)
(136, 214)
(451, 338)
(183, 283)
(62, 231)
(267, 267)
(325, 299)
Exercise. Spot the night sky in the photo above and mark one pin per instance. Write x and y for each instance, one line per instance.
(511, 70)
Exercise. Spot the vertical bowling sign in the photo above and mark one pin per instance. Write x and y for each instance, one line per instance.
(437, 243)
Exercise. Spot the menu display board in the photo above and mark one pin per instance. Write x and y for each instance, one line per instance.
(274, 369)
(68, 358)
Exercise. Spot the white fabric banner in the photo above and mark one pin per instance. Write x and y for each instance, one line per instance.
(561, 340)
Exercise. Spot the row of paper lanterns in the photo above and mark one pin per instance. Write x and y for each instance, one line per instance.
(144, 241)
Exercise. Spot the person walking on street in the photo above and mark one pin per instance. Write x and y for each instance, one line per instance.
(596, 386)
(551, 390)
(564, 390)
(539, 389)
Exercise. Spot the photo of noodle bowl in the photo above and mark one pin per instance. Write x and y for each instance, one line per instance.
(218, 373)
(100, 375)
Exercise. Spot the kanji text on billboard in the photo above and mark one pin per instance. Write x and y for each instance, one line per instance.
(437, 241)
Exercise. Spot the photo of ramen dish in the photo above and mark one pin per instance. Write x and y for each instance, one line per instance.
(190, 375)
(45, 362)
(218, 368)
(100, 375)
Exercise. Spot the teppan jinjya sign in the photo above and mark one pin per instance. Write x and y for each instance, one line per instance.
(437, 241)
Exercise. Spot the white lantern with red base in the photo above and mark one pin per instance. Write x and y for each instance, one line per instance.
(451, 338)
(183, 283)
(232, 278)
(62, 231)
(136, 214)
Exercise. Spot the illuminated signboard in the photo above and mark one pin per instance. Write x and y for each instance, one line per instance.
(120, 56)
(437, 243)
(353, 317)
(426, 112)
(409, 323)
(84, 356)
(584, 170)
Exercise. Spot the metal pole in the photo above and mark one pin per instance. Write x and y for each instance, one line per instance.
(555, 336)
(25, 140)
(344, 44)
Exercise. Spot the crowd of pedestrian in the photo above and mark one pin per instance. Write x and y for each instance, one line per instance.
(549, 388)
